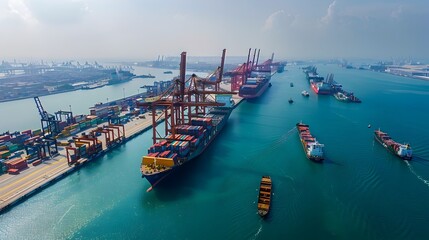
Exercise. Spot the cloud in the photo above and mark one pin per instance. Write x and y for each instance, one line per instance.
(278, 18)
(270, 20)
(396, 13)
(330, 13)
(19, 8)
(59, 11)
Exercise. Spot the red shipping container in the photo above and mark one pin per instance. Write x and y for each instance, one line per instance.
(13, 171)
(5, 138)
(37, 162)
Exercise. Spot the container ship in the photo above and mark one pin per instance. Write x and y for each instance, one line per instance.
(403, 151)
(256, 77)
(312, 148)
(194, 116)
(311, 74)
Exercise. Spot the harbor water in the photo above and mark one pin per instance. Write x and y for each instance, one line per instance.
(361, 191)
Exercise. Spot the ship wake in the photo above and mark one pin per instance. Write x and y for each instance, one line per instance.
(415, 174)
(258, 232)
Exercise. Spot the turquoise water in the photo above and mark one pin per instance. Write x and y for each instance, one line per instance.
(361, 191)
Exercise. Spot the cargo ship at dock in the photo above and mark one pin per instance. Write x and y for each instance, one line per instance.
(194, 117)
(252, 79)
(403, 151)
(257, 78)
(312, 148)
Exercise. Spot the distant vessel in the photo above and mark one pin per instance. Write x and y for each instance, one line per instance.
(95, 85)
(290, 100)
(305, 93)
(168, 72)
(144, 76)
(344, 96)
(311, 74)
(312, 148)
(256, 77)
(264, 197)
(403, 151)
(120, 76)
(291, 84)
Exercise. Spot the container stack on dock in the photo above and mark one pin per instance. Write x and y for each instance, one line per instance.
(16, 165)
(11, 149)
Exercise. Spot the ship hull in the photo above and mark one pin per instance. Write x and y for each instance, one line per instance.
(390, 148)
(155, 178)
(319, 91)
(257, 93)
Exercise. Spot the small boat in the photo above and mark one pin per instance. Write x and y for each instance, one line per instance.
(291, 84)
(168, 72)
(290, 100)
(264, 198)
(305, 93)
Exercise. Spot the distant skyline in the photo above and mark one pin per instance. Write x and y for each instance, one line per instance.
(134, 30)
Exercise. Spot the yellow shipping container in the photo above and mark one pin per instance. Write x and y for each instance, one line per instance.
(168, 162)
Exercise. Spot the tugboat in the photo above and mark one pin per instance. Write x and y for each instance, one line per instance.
(305, 93)
(312, 148)
(264, 198)
(290, 100)
(403, 151)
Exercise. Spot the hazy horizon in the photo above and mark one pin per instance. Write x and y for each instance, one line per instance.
(142, 30)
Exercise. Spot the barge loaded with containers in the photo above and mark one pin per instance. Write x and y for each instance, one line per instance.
(264, 197)
(403, 151)
(194, 116)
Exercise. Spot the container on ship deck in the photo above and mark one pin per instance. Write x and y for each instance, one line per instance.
(165, 154)
(154, 154)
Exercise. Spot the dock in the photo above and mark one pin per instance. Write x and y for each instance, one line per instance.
(16, 188)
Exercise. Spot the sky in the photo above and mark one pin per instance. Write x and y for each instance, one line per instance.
(143, 29)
